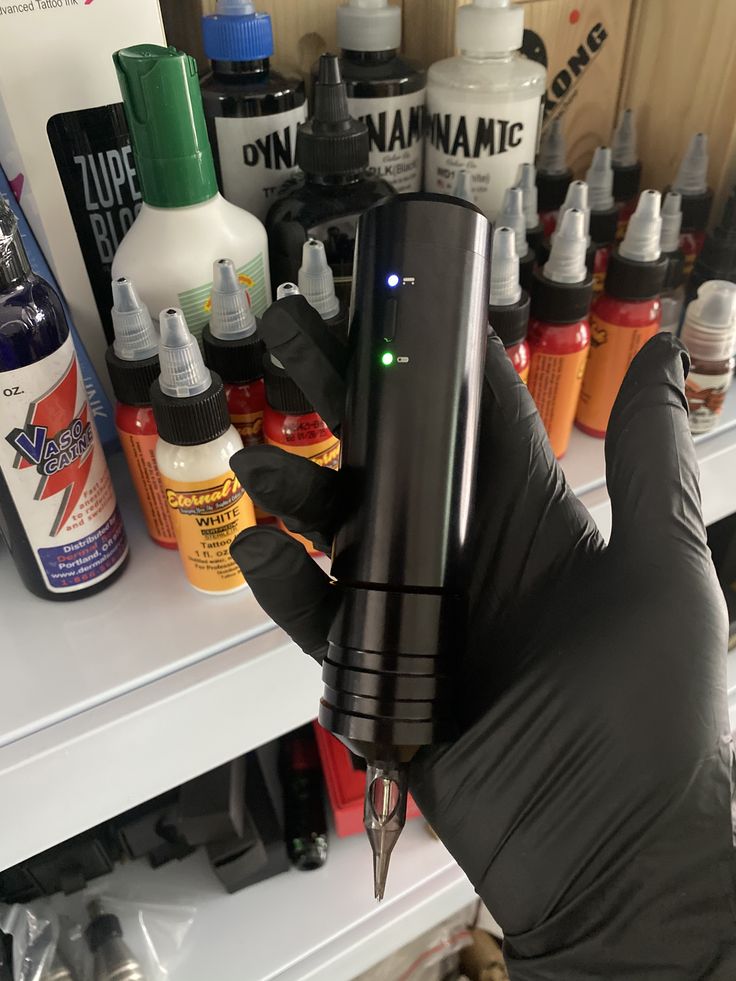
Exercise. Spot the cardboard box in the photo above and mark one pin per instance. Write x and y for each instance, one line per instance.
(55, 65)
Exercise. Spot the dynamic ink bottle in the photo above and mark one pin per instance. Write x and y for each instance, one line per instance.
(207, 503)
(332, 149)
(58, 513)
(626, 169)
(385, 90)
(484, 105)
(559, 332)
(132, 363)
(553, 175)
(252, 112)
(508, 309)
(625, 315)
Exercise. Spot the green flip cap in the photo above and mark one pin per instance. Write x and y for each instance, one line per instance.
(163, 106)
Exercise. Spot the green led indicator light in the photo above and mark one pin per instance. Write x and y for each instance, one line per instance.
(387, 358)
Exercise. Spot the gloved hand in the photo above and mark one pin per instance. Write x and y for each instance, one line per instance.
(588, 796)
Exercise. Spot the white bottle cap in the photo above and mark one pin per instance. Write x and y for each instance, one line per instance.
(599, 179)
(316, 281)
(505, 288)
(489, 27)
(669, 239)
(566, 263)
(526, 181)
(234, 8)
(136, 338)
(462, 187)
(576, 197)
(552, 155)
(623, 144)
(641, 241)
(512, 215)
(183, 372)
(692, 175)
(368, 25)
(709, 329)
(231, 318)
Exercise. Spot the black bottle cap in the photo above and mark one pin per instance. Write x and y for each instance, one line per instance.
(560, 303)
(132, 380)
(102, 928)
(194, 420)
(282, 392)
(717, 259)
(603, 225)
(511, 322)
(331, 141)
(696, 211)
(527, 264)
(236, 362)
(626, 181)
(534, 238)
(628, 279)
(675, 269)
(551, 190)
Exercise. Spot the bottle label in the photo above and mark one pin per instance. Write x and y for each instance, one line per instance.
(196, 303)
(600, 267)
(396, 134)
(612, 349)
(95, 161)
(690, 243)
(53, 464)
(705, 397)
(489, 148)
(140, 455)
(246, 404)
(207, 515)
(257, 156)
(554, 383)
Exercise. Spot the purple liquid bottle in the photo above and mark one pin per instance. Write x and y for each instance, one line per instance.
(58, 513)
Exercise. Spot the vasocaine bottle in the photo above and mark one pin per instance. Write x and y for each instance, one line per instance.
(184, 223)
(207, 503)
(483, 106)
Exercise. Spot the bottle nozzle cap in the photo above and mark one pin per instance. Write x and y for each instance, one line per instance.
(183, 371)
(316, 280)
(599, 179)
(526, 181)
(552, 149)
(709, 328)
(462, 188)
(641, 241)
(577, 198)
(623, 144)
(505, 288)
(669, 239)
(287, 289)
(369, 25)
(136, 337)
(512, 215)
(231, 318)
(331, 141)
(692, 175)
(566, 263)
(489, 26)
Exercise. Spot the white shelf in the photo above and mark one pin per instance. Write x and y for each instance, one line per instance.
(113, 699)
(302, 926)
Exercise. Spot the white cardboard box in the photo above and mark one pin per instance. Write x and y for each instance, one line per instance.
(56, 57)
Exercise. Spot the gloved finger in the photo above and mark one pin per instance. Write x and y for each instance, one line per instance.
(651, 466)
(294, 332)
(304, 495)
(289, 586)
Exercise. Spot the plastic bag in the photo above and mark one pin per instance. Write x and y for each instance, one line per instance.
(34, 932)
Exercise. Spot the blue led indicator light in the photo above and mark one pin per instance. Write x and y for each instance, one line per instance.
(392, 280)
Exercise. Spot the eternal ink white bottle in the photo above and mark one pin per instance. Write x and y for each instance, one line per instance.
(484, 105)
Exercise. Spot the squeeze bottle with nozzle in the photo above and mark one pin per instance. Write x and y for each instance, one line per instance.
(603, 213)
(709, 334)
(559, 332)
(626, 169)
(317, 284)
(673, 290)
(132, 363)
(553, 175)
(692, 183)
(207, 503)
(463, 188)
(576, 198)
(526, 179)
(625, 315)
(508, 309)
(512, 216)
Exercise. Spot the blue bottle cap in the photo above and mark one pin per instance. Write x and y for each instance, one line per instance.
(237, 33)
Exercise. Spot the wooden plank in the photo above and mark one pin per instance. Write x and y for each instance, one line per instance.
(681, 78)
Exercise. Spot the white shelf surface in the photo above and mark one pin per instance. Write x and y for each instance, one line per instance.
(115, 698)
(302, 926)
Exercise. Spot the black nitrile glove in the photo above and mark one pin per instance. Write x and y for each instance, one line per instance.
(588, 795)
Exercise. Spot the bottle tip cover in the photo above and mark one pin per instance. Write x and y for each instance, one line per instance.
(136, 337)
(566, 263)
(505, 287)
(641, 241)
(316, 280)
(231, 317)
(183, 371)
